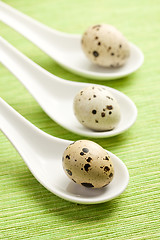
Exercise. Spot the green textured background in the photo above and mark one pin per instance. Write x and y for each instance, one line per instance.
(27, 209)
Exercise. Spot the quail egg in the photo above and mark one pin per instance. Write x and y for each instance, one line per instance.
(88, 164)
(96, 108)
(104, 45)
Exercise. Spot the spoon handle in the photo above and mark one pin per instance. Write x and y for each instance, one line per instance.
(33, 30)
(16, 128)
(21, 133)
(24, 136)
(31, 75)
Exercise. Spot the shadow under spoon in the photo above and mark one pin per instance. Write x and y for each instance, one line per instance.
(65, 48)
(56, 95)
(43, 155)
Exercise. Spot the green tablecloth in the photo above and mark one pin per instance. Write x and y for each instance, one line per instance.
(27, 209)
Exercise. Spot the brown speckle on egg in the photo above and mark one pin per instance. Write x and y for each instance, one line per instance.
(89, 159)
(69, 172)
(105, 185)
(106, 168)
(103, 114)
(85, 150)
(81, 153)
(94, 111)
(109, 97)
(110, 175)
(95, 54)
(109, 107)
(86, 167)
(89, 185)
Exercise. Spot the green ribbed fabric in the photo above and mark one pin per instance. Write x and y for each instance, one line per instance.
(27, 209)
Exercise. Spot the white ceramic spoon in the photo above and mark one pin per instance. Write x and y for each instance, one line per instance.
(43, 155)
(65, 48)
(56, 95)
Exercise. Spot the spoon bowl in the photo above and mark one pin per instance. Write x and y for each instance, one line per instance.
(43, 155)
(65, 48)
(56, 95)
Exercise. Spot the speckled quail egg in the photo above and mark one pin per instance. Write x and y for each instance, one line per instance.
(88, 164)
(104, 45)
(96, 108)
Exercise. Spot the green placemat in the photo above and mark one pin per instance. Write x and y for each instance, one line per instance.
(27, 209)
